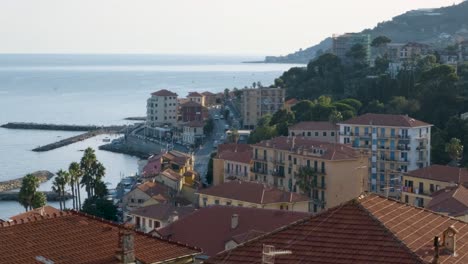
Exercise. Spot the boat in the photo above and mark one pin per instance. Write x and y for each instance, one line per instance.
(106, 139)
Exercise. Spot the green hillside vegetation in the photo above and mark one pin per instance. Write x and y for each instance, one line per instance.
(424, 89)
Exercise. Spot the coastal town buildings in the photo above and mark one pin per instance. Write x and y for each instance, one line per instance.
(232, 161)
(73, 237)
(197, 98)
(191, 111)
(151, 217)
(256, 103)
(367, 229)
(178, 161)
(403, 52)
(193, 133)
(146, 194)
(342, 44)
(210, 98)
(252, 194)
(396, 144)
(451, 201)
(219, 228)
(337, 171)
(317, 130)
(419, 185)
(161, 111)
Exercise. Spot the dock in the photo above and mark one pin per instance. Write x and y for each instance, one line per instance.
(13, 196)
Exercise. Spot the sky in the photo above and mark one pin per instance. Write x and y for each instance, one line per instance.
(263, 27)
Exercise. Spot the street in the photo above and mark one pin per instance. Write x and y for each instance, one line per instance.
(202, 155)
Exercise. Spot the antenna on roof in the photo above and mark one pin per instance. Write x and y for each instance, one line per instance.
(269, 253)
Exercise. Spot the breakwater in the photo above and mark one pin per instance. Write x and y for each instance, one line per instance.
(43, 176)
(21, 125)
(13, 196)
(70, 140)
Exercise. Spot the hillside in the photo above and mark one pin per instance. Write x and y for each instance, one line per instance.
(438, 26)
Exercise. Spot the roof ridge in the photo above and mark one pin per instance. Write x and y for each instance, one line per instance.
(378, 222)
(34, 218)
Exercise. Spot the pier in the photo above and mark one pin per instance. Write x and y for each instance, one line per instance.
(14, 184)
(92, 131)
(13, 196)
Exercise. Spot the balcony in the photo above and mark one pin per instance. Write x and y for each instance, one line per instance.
(278, 174)
(413, 190)
(318, 202)
(259, 171)
(421, 147)
(404, 148)
(403, 160)
(258, 159)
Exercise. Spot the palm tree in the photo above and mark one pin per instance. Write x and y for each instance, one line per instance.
(75, 175)
(28, 191)
(87, 163)
(59, 184)
(305, 179)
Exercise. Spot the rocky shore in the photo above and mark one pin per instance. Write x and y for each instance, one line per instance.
(21, 125)
(43, 176)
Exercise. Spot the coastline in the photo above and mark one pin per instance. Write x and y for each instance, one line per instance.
(42, 175)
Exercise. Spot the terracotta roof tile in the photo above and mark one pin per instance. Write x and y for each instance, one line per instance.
(45, 210)
(231, 147)
(195, 94)
(164, 92)
(77, 238)
(207, 93)
(154, 189)
(314, 125)
(385, 120)
(213, 226)
(163, 211)
(241, 157)
(452, 200)
(170, 174)
(306, 146)
(344, 234)
(441, 173)
(253, 192)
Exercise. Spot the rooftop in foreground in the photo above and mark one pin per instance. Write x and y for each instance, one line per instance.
(72, 237)
(368, 229)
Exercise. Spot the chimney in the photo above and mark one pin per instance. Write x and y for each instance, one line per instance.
(234, 221)
(436, 250)
(450, 240)
(126, 252)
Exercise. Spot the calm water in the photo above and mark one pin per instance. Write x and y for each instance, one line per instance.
(98, 89)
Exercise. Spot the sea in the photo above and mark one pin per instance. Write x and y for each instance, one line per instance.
(91, 89)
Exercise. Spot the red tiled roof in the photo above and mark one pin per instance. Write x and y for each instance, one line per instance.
(77, 238)
(253, 192)
(291, 101)
(385, 120)
(177, 157)
(162, 211)
(194, 94)
(155, 190)
(441, 173)
(305, 146)
(164, 92)
(241, 157)
(210, 227)
(314, 125)
(207, 93)
(45, 210)
(370, 229)
(453, 201)
(232, 147)
(344, 234)
(170, 174)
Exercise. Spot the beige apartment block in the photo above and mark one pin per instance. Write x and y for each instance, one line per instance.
(256, 103)
(317, 130)
(197, 98)
(396, 143)
(161, 110)
(339, 171)
(232, 161)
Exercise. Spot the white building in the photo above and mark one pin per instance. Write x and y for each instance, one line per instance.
(193, 132)
(161, 110)
(396, 143)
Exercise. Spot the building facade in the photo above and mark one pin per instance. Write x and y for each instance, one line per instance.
(197, 98)
(317, 130)
(339, 172)
(193, 133)
(257, 103)
(161, 110)
(396, 144)
(419, 185)
(231, 161)
(343, 43)
(191, 111)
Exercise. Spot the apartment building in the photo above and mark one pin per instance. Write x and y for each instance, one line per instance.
(193, 133)
(421, 184)
(343, 43)
(256, 103)
(161, 110)
(401, 52)
(197, 98)
(317, 130)
(232, 161)
(396, 144)
(340, 172)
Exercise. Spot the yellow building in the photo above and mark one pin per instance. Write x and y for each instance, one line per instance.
(256, 103)
(197, 98)
(340, 172)
(232, 161)
(396, 143)
(252, 194)
(420, 184)
(179, 162)
(317, 130)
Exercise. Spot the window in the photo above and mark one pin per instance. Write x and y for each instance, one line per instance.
(205, 201)
(324, 134)
(144, 222)
(406, 199)
(295, 161)
(156, 224)
(332, 134)
(216, 201)
(228, 203)
(140, 201)
(132, 200)
(431, 188)
(240, 205)
(309, 134)
(316, 134)
(150, 224)
(323, 167)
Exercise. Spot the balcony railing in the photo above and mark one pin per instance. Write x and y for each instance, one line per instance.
(259, 171)
(404, 148)
(259, 159)
(415, 190)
